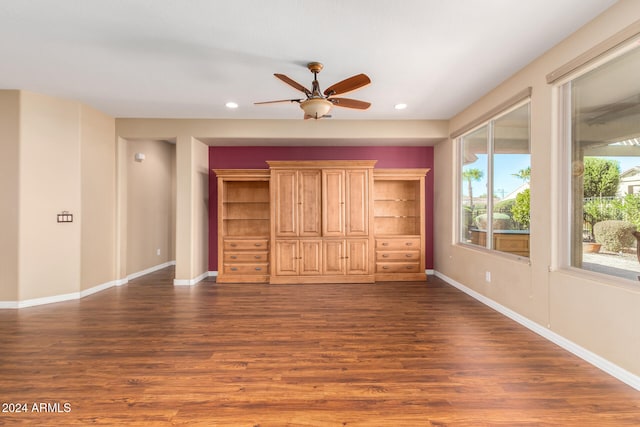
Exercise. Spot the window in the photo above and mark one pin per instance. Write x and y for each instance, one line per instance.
(601, 110)
(495, 167)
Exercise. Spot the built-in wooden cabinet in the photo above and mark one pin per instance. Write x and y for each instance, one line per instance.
(244, 225)
(326, 206)
(296, 200)
(321, 222)
(346, 256)
(298, 257)
(399, 216)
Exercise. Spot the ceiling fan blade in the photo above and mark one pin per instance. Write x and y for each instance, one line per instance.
(293, 84)
(281, 100)
(347, 85)
(350, 103)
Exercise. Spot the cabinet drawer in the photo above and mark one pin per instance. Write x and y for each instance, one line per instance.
(248, 244)
(398, 244)
(252, 257)
(397, 256)
(397, 267)
(246, 268)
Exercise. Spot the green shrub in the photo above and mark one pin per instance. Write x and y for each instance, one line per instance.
(500, 221)
(614, 235)
(522, 207)
(504, 206)
(629, 207)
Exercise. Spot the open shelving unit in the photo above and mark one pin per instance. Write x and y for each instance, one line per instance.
(245, 209)
(243, 225)
(397, 207)
(398, 223)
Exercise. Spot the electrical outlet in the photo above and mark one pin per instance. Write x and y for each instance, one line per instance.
(158, 252)
(487, 276)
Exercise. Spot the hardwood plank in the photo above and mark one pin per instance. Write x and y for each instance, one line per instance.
(389, 354)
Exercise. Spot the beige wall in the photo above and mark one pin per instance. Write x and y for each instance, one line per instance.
(271, 131)
(200, 161)
(594, 314)
(57, 155)
(98, 194)
(150, 204)
(9, 193)
(49, 252)
(192, 163)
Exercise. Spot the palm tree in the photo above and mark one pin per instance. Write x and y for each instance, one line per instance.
(471, 175)
(523, 174)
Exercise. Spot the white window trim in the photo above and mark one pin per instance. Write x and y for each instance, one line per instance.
(561, 175)
(521, 98)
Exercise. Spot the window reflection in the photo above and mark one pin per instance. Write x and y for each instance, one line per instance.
(605, 165)
(495, 187)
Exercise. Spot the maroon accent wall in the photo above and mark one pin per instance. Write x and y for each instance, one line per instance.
(256, 157)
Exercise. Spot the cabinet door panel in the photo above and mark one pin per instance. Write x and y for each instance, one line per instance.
(358, 256)
(311, 257)
(286, 203)
(333, 257)
(357, 202)
(309, 202)
(333, 202)
(286, 257)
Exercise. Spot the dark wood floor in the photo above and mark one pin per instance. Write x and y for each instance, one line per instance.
(390, 354)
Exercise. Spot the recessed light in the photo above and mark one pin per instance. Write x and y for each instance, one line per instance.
(231, 105)
(400, 106)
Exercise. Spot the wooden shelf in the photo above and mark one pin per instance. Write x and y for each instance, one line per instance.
(396, 207)
(398, 223)
(244, 224)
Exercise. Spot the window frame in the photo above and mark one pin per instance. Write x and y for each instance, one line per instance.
(563, 205)
(488, 119)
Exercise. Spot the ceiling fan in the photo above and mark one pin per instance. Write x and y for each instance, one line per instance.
(317, 104)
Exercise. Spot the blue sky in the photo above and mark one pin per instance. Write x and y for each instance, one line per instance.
(504, 166)
(508, 164)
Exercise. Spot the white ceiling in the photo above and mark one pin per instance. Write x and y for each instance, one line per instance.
(187, 58)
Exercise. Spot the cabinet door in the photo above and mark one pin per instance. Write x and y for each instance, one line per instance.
(357, 202)
(285, 197)
(358, 256)
(333, 202)
(309, 204)
(333, 257)
(311, 257)
(286, 258)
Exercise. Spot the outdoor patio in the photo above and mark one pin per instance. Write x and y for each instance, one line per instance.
(621, 265)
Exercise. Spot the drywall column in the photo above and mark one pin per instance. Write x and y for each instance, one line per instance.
(98, 192)
(121, 210)
(9, 194)
(200, 187)
(191, 210)
(50, 183)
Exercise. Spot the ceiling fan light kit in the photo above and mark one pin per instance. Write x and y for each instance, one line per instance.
(315, 108)
(318, 103)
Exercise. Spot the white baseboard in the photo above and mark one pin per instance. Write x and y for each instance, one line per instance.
(150, 270)
(99, 288)
(586, 355)
(5, 305)
(40, 301)
(192, 282)
(84, 293)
